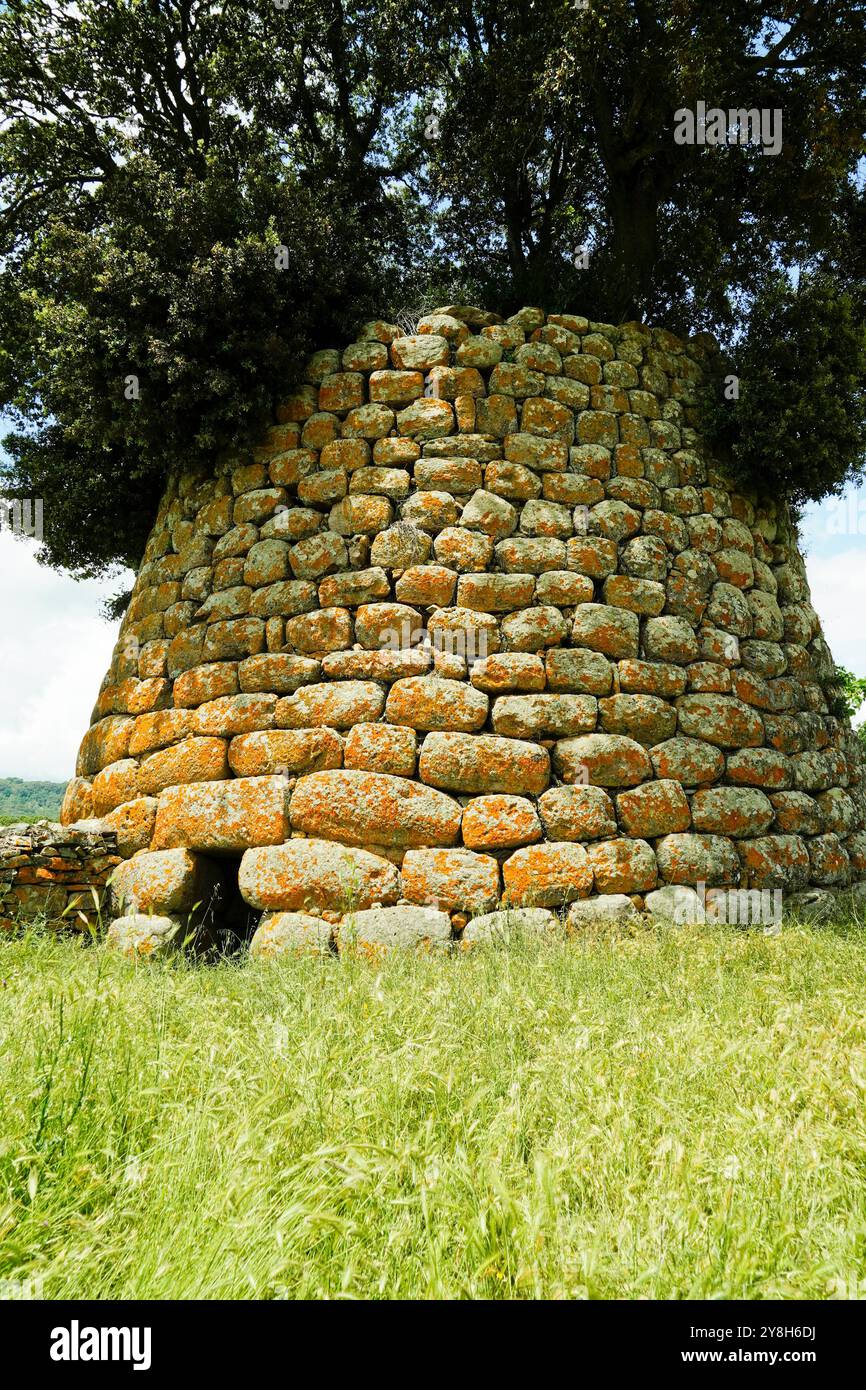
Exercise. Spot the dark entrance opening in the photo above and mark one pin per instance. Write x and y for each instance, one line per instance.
(225, 923)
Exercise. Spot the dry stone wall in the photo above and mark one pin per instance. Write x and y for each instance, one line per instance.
(54, 873)
(479, 623)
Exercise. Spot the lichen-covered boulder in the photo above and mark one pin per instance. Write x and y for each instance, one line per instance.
(222, 817)
(302, 875)
(735, 811)
(605, 760)
(144, 936)
(689, 761)
(547, 875)
(377, 931)
(691, 859)
(373, 808)
(483, 763)
(775, 861)
(720, 719)
(614, 909)
(451, 879)
(577, 813)
(676, 904)
(500, 822)
(168, 881)
(504, 927)
(655, 808)
(291, 934)
(622, 866)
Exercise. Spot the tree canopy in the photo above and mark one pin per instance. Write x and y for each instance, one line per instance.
(28, 801)
(196, 193)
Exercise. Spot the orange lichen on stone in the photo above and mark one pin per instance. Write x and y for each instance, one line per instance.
(373, 808)
(483, 763)
(500, 822)
(291, 877)
(288, 750)
(133, 823)
(223, 817)
(451, 879)
(192, 760)
(381, 748)
(547, 875)
(622, 866)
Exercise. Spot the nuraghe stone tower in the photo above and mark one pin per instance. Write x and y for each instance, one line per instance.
(479, 624)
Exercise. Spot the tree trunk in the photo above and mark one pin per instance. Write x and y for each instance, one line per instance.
(633, 204)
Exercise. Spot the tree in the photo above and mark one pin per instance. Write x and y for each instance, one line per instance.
(849, 696)
(194, 194)
(796, 424)
(166, 336)
(29, 801)
(851, 692)
(557, 132)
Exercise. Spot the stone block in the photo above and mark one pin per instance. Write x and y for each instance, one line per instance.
(577, 813)
(375, 808)
(478, 763)
(719, 719)
(141, 936)
(378, 931)
(223, 817)
(381, 748)
(168, 882)
(611, 910)
(612, 631)
(133, 823)
(734, 811)
(510, 926)
(291, 934)
(338, 704)
(656, 808)
(547, 875)
(292, 751)
(500, 822)
(451, 879)
(316, 876)
(428, 702)
(646, 718)
(605, 760)
(691, 859)
(192, 760)
(544, 716)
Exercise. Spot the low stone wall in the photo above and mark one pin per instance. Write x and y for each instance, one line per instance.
(310, 895)
(52, 871)
(315, 895)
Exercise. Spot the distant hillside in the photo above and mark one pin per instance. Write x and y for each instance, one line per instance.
(20, 800)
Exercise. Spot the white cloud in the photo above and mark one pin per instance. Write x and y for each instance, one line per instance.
(838, 585)
(833, 539)
(54, 651)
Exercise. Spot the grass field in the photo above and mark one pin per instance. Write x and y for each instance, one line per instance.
(671, 1114)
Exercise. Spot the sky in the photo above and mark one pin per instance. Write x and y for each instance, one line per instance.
(55, 647)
